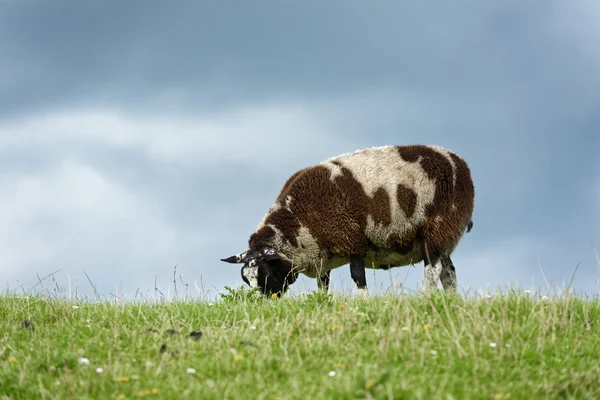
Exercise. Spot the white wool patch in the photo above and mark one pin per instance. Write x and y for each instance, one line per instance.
(383, 167)
(308, 255)
(336, 170)
(288, 202)
(251, 273)
(277, 242)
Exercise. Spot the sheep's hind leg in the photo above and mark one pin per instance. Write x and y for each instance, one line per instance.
(448, 274)
(433, 268)
(323, 281)
(432, 275)
(357, 272)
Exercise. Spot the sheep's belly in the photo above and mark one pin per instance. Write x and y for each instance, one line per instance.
(384, 257)
(376, 259)
(316, 270)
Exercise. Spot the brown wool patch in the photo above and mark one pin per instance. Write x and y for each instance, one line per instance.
(436, 166)
(287, 223)
(445, 233)
(334, 212)
(403, 245)
(405, 242)
(261, 238)
(407, 198)
(285, 190)
(381, 207)
(465, 193)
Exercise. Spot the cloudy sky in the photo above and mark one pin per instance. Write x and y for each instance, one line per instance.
(139, 135)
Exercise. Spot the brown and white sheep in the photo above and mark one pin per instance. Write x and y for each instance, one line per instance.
(377, 208)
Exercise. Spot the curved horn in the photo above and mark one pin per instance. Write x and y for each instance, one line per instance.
(236, 259)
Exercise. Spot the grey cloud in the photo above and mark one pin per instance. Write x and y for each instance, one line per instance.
(214, 53)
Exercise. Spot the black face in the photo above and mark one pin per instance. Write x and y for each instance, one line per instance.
(270, 276)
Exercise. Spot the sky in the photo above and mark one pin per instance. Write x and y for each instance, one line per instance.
(142, 139)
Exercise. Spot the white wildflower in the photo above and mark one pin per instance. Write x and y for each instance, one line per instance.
(332, 373)
(84, 361)
(75, 307)
(433, 353)
(99, 370)
(492, 345)
(191, 371)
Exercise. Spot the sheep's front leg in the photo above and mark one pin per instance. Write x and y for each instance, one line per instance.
(323, 282)
(357, 272)
(448, 274)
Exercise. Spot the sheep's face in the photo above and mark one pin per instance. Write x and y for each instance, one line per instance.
(266, 270)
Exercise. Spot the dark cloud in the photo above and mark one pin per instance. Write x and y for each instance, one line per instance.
(208, 54)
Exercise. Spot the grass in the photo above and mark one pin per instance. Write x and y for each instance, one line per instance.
(315, 346)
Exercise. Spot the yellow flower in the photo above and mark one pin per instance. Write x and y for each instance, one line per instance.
(123, 379)
(427, 326)
(335, 327)
(369, 384)
(274, 296)
(13, 360)
(342, 307)
(238, 357)
(121, 397)
(147, 392)
(339, 366)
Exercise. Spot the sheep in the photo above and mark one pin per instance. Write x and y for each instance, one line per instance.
(380, 207)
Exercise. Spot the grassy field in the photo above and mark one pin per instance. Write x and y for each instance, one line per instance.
(315, 346)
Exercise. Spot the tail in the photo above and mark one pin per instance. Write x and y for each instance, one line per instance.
(470, 226)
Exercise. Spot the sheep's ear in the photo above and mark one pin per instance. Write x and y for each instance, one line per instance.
(236, 259)
(270, 254)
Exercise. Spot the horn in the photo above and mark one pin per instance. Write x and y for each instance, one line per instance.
(236, 259)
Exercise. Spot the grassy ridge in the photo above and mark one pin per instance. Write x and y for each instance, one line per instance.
(314, 347)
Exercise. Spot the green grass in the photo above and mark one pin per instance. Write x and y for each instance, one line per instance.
(316, 346)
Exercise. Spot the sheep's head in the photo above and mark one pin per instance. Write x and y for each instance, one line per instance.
(265, 269)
